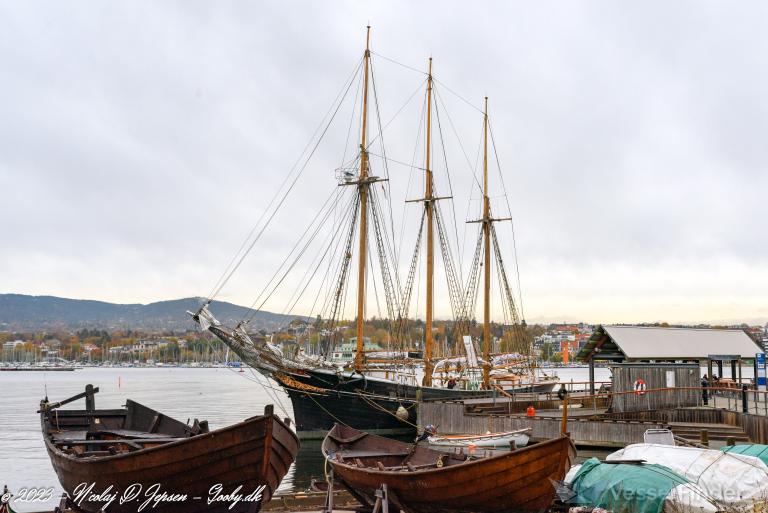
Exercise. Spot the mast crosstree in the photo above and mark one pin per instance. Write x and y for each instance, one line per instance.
(487, 228)
(380, 403)
(429, 200)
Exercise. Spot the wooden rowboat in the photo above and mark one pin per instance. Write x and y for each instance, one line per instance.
(421, 480)
(520, 438)
(123, 451)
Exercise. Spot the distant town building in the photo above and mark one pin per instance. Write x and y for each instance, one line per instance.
(12, 344)
(148, 345)
(48, 352)
(345, 352)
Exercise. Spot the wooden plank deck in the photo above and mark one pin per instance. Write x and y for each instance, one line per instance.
(598, 428)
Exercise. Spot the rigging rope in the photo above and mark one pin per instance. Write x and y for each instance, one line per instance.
(386, 276)
(406, 295)
(347, 257)
(386, 187)
(450, 187)
(393, 61)
(321, 215)
(322, 255)
(345, 226)
(512, 223)
(519, 333)
(410, 174)
(228, 273)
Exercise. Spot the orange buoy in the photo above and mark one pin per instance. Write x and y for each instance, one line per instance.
(530, 412)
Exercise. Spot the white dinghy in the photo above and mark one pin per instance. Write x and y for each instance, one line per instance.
(504, 439)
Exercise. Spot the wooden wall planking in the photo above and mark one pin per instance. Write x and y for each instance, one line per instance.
(451, 418)
(755, 426)
(610, 430)
(655, 376)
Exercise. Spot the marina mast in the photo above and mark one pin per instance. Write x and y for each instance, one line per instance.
(486, 258)
(429, 206)
(363, 184)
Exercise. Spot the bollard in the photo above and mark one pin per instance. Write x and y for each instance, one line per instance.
(704, 437)
(512, 445)
(744, 403)
(730, 441)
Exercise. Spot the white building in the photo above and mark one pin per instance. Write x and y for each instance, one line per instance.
(12, 344)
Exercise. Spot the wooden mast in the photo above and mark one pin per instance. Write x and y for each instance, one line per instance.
(487, 221)
(487, 258)
(429, 206)
(363, 190)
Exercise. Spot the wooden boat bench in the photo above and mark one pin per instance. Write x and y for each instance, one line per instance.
(369, 454)
(131, 434)
(134, 444)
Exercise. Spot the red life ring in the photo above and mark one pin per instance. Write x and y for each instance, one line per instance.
(640, 386)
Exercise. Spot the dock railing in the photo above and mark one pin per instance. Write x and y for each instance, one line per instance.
(743, 400)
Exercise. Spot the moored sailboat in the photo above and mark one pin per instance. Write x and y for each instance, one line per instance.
(505, 439)
(322, 393)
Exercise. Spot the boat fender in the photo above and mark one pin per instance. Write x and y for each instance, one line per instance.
(562, 393)
(401, 413)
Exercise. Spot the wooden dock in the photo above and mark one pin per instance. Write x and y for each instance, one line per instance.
(597, 427)
(452, 417)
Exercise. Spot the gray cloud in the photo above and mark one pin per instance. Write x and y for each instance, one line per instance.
(139, 141)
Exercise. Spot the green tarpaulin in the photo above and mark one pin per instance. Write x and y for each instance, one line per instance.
(756, 450)
(624, 488)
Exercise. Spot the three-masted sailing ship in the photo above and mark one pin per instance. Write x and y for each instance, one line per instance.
(321, 393)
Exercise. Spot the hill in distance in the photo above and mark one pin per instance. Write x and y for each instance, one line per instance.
(19, 312)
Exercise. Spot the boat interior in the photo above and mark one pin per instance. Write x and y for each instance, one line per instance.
(95, 433)
(352, 447)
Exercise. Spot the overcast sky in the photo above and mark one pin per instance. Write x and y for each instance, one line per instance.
(141, 141)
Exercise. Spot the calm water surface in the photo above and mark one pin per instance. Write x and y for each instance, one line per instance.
(222, 396)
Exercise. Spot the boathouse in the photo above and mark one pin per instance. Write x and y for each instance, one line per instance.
(664, 346)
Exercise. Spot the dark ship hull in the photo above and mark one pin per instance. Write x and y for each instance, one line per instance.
(322, 397)
(315, 414)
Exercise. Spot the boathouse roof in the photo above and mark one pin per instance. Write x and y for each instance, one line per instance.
(620, 343)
